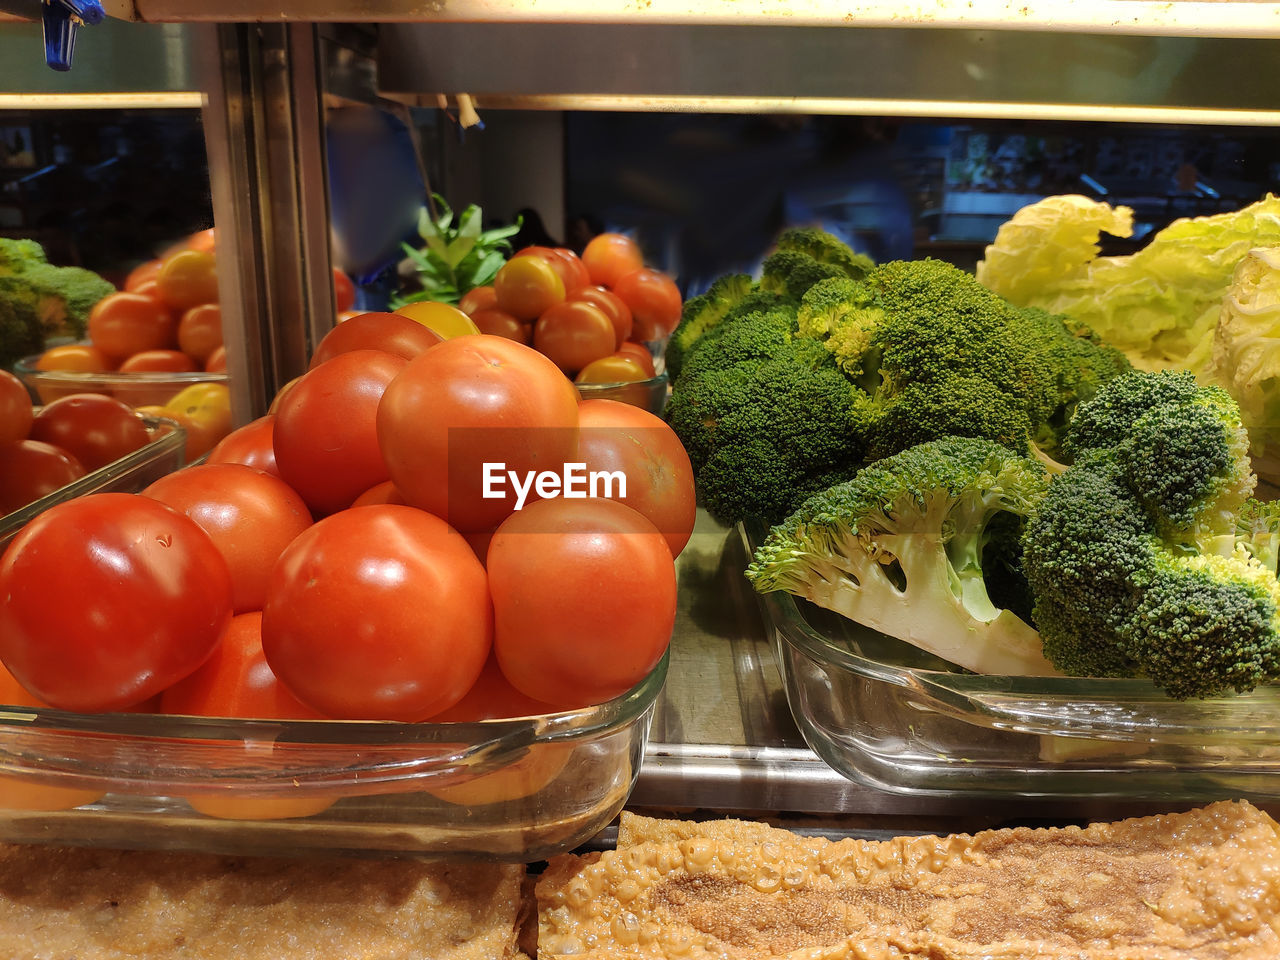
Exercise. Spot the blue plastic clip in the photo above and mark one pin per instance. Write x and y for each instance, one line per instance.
(62, 18)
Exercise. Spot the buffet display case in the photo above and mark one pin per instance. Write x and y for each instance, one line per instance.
(942, 748)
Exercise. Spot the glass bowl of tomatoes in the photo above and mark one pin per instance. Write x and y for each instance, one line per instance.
(515, 790)
(160, 453)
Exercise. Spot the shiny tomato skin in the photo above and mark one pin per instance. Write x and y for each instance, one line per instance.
(325, 441)
(344, 291)
(526, 286)
(573, 274)
(94, 429)
(75, 358)
(204, 410)
(611, 256)
(144, 272)
(187, 279)
(499, 324)
(250, 516)
(619, 436)
(31, 469)
(217, 361)
(436, 418)
(615, 368)
(250, 445)
(236, 681)
(16, 412)
(158, 361)
(611, 304)
(640, 354)
(384, 492)
(380, 613)
(121, 324)
(478, 298)
(573, 334)
(492, 697)
(152, 595)
(584, 599)
(654, 300)
(200, 332)
(391, 332)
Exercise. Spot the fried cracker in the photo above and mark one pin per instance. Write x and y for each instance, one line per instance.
(1204, 885)
(91, 904)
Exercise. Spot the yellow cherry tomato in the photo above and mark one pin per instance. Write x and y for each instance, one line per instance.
(204, 410)
(445, 320)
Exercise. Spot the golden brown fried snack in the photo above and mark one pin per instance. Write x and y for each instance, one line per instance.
(1203, 885)
(111, 905)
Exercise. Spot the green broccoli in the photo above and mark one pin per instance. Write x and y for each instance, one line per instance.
(703, 313)
(1146, 558)
(903, 548)
(1258, 531)
(825, 248)
(39, 300)
(766, 418)
(790, 273)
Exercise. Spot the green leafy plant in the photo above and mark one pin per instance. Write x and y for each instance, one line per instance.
(456, 257)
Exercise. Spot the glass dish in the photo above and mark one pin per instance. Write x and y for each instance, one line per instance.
(650, 394)
(162, 454)
(135, 389)
(888, 715)
(514, 790)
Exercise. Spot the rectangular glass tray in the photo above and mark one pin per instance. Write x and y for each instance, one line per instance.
(514, 790)
(888, 715)
(162, 454)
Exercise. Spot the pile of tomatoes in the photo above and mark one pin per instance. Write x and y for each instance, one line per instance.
(43, 450)
(342, 556)
(591, 315)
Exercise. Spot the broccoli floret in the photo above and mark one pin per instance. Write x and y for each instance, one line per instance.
(17, 255)
(900, 548)
(790, 273)
(962, 407)
(825, 248)
(39, 300)
(1145, 558)
(768, 426)
(702, 314)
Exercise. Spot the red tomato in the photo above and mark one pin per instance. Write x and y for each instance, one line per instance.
(640, 354)
(75, 358)
(654, 300)
(384, 492)
(621, 437)
(151, 596)
(217, 362)
(326, 441)
(200, 331)
(492, 697)
(572, 273)
(94, 429)
(478, 298)
(584, 599)
(574, 333)
(498, 324)
(526, 286)
(250, 516)
(142, 273)
(121, 324)
(236, 681)
(435, 425)
(15, 408)
(376, 331)
(187, 279)
(615, 368)
(612, 305)
(378, 613)
(250, 445)
(611, 256)
(344, 292)
(30, 469)
(158, 361)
